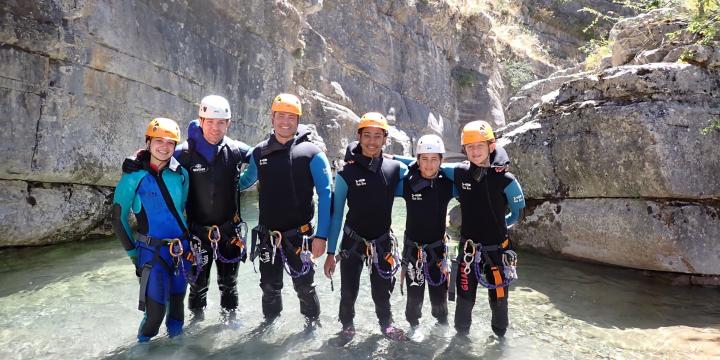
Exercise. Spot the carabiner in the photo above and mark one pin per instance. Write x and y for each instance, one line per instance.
(241, 230)
(275, 244)
(277, 235)
(171, 248)
(214, 230)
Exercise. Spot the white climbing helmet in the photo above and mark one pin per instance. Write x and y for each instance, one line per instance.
(430, 144)
(214, 107)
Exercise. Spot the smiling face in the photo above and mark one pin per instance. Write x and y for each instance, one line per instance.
(371, 141)
(161, 150)
(429, 165)
(214, 130)
(479, 152)
(285, 125)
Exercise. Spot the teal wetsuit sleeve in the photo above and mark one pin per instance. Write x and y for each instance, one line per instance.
(246, 151)
(122, 203)
(249, 175)
(339, 197)
(320, 170)
(403, 173)
(516, 201)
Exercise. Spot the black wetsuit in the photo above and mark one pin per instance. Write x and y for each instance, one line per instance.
(213, 201)
(287, 174)
(369, 185)
(483, 204)
(426, 203)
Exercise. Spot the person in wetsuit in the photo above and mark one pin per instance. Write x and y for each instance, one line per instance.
(213, 161)
(288, 166)
(156, 195)
(369, 183)
(484, 247)
(498, 161)
(427, 192)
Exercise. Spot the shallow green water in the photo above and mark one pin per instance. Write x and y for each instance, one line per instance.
(77, 301)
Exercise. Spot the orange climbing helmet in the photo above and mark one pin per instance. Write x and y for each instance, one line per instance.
(287, 103)
(373, 119)
(476, 131)
(163, 128)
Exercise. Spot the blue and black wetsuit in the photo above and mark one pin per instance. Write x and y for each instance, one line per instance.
(369, 185)
(426, 203)
(214, 171)
(287, 174)
(149, 196)
(485, 197)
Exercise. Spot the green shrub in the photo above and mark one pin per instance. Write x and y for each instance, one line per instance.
(713, 126)
(517, 73)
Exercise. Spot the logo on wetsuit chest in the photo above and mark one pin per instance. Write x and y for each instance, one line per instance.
(466, 186)
(517, 198)
(263, 161)
(360, 182)
(198, 168)
(416, 196)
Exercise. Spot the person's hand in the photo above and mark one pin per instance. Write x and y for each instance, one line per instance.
(329, 266)
(501, 169)
(134, 163)
(318, 247)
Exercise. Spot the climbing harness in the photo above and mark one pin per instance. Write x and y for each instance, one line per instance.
(238, 240)
(471, 261)
(176, 250)
(425, 257)
(276, 239)
(371, 256)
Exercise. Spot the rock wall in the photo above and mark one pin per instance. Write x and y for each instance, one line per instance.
(614, 162)
(80, 79)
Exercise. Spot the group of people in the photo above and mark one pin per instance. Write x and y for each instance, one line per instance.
(185, 197)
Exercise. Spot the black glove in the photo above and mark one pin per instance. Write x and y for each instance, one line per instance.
(135, 162)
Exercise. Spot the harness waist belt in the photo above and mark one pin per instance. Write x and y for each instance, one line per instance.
(153, 241)
(263, 230)
(355, 236)
(502, 246)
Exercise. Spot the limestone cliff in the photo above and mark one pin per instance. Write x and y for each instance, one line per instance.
(80, 79)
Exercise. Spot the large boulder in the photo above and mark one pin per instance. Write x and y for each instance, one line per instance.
(632, 131)
(616, 169)
(661, 235)
(44, 213)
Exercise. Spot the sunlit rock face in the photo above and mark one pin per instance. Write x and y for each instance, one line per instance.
(614, 163)
(79, 80)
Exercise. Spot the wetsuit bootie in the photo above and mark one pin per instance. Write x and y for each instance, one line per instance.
(498, 331)
(348, 331)
(174, 327)
(461, 331)
(393, 333)
(197, 314)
